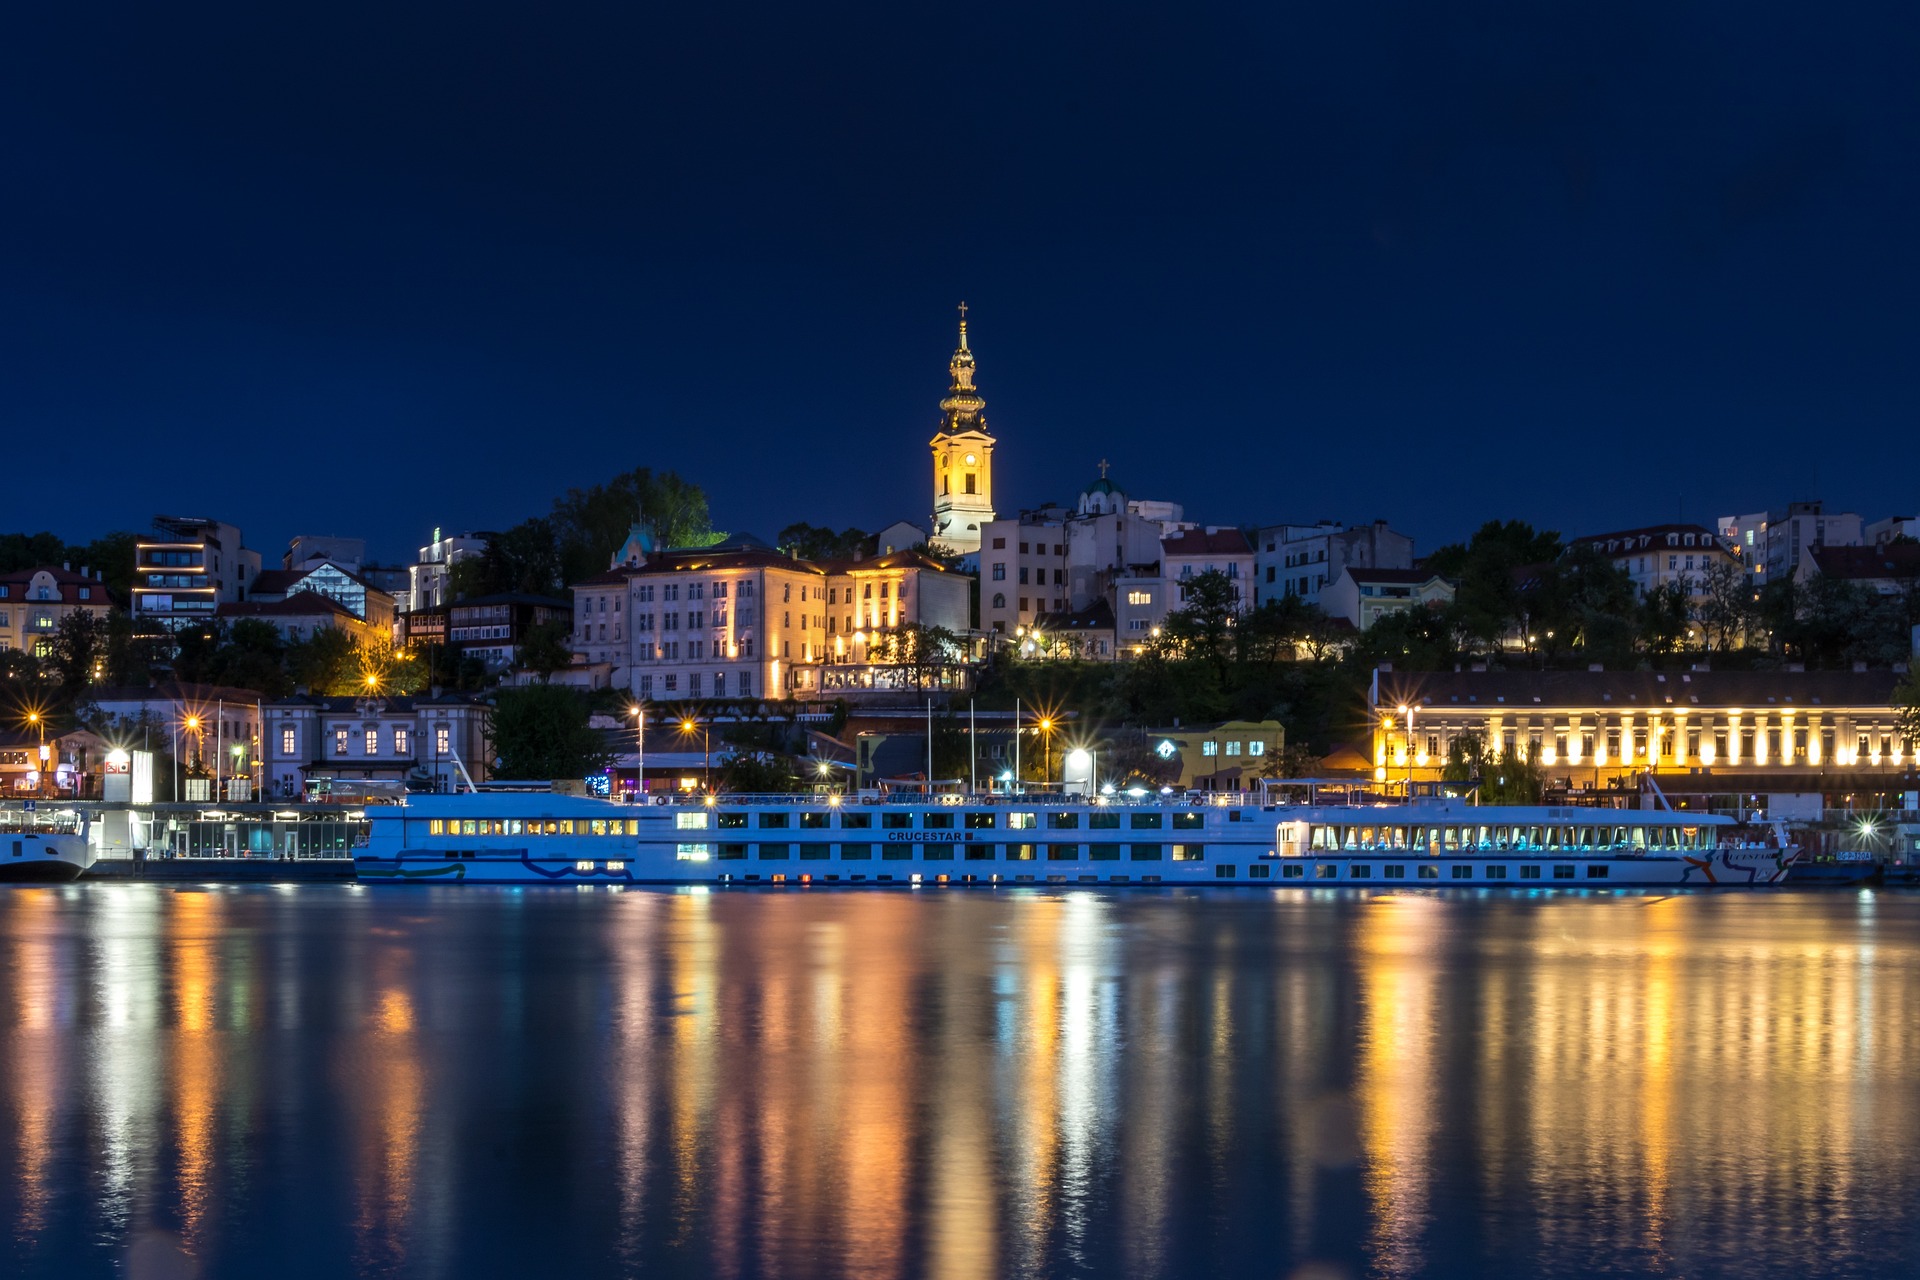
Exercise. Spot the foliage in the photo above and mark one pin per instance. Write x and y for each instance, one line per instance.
(1906, 700)
(542, 731)
(1487, 571)
(1727, 612)
(110, 555)
(1503, 778)
(817, 542)
(78, 648)
(758, 773)
(1132, 761)
(924, 651)
(545, 650)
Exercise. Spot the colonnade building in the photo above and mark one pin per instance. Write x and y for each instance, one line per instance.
(1698, 732)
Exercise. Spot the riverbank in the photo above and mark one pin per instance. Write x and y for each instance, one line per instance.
(225, 870)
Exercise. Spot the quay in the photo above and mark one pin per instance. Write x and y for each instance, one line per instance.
(242, 870)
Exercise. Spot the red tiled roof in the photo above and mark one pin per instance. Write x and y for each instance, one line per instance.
(66, 581)
(1198, 542)
(1857, 564)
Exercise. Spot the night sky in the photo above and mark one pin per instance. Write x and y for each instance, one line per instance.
(368, 269)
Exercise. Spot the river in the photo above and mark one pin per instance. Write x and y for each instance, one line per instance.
(461, 1082)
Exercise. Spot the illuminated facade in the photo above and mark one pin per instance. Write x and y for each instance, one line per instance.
(1697, 731)
(34, 602)
(962, 458)
(188, 570)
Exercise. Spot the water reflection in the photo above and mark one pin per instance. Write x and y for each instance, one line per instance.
(451, 1083)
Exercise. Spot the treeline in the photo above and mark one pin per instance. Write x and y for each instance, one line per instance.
(110, 555)
(543, 555)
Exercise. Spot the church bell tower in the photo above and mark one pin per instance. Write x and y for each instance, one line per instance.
(962, 458)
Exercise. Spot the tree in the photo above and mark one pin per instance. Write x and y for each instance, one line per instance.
(1487, 569)
(758, 773)
(1201, 627)
(817, 542)
(1661, 616)
(924, 651)
(327, 663)
(545, 650)
(1726, 610)
(1906, 701)
(590, 524)
(78, 651)
(542, 731)
(1134, 760)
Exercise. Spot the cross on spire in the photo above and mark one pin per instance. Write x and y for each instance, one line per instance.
(963, 312)
(1104, 464)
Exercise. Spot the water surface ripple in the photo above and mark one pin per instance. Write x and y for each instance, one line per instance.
(461, 1082)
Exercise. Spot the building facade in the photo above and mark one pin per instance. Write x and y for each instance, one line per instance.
(1303, 560)
(34, 602)
(1229, 756)
(1364, 596)
(1593, 733)
(1768, 544)
(423, 742)
(962, 457)
(187, 569)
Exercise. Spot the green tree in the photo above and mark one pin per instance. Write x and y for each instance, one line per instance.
(1727, 610)
(1202, 626)
(817, 542)
(1661, 617)
(30, 551)
(925, 652)
(253, 657)
(327, 664)
(1906, 702)
(544, 650)
(542, 731)
(758, 773)
(590, 524)
(1487, 570)
(78, 652)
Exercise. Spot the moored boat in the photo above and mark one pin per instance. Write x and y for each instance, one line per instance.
(540, 838)
(40, 846)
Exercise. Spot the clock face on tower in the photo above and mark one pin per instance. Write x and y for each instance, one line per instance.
(971, 460)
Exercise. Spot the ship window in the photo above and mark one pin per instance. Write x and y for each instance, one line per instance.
(861, 821)
(1144, 852)
(1291, 871)
(633, 826)
(1460, 873)
(979, 821)
(936, 821)
(1259, 871)
(1597, 873)
(1429, 873)
(814, 852)
(1103, 821)
(1022, 852)
(698, 821)
(1063, 853)
(979, 853)
(1023, 821)
(937, 852)
(1326, 871)
(1187, 821)
(1142, 821)
(1562, 871)
(901, 821)
(1496, 873)
(1189, 853)
(775, 852)
(436, 826)
(1063, 821)
(585, 864)
(773, 820)
(1395, 871)
(732, 852)
(732, 819)
(812, 821)
(856, 852)
(685, 853)
(1224, 871)
(1359, 871)
(1450, 839)
(1529, 873)
(599, 826)
(1103, 852)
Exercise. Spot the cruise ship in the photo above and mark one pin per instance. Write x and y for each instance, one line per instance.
(967, 840)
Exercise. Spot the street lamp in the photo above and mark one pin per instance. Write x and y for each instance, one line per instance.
(1406, 720)
(639, 714)
(35, 721)
(1045, 725)
(688, 725)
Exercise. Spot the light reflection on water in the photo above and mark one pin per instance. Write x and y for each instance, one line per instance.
(467, 1082)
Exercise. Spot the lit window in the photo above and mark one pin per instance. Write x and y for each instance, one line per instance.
(371, 741)
(690, 821)
(1209, 748)
(1256, 748)
(442, 739)
(287, 741)
(402, 739)
(585, 864)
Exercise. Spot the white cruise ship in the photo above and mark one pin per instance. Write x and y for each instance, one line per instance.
(522, 838)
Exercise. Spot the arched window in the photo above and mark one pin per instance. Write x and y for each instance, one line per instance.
(999, 600)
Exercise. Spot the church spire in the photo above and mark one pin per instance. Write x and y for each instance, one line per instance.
(961, 366)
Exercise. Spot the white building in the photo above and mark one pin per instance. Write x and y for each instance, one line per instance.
(1881, 532)
(1364, 596)
(1301, 560)
(423, 741)
(188, 569)
(427, 577)
(1661, 554)
(1770, 543)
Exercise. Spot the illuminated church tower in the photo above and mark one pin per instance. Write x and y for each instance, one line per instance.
(962, 458)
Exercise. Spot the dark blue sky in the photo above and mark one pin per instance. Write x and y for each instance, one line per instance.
(364, 268)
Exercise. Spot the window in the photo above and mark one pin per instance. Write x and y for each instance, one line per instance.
(1144, 852)
(339, 742)
(402, 740)
(856, 852)
(775, 852)
(1563, 871)
(999, 600)
(1597, 873)
(1189, 853)
(1144, 821)
(1429, 873)
(1359, 871)
(1461, 873)
(442, 739)
(1233, 748)
(287, 746)
(370, 742)
(1394, 871)
(1209, 748)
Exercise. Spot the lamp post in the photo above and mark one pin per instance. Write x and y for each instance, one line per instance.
(1045, 725)
(1406, 721)
(639, 714)
(688, 725)
(40, 779)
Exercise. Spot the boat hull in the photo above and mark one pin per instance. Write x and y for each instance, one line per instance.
(41, 860)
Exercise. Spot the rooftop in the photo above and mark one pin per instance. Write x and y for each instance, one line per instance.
(1643, 690)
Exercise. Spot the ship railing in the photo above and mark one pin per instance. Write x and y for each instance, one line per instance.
(1018, 800)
